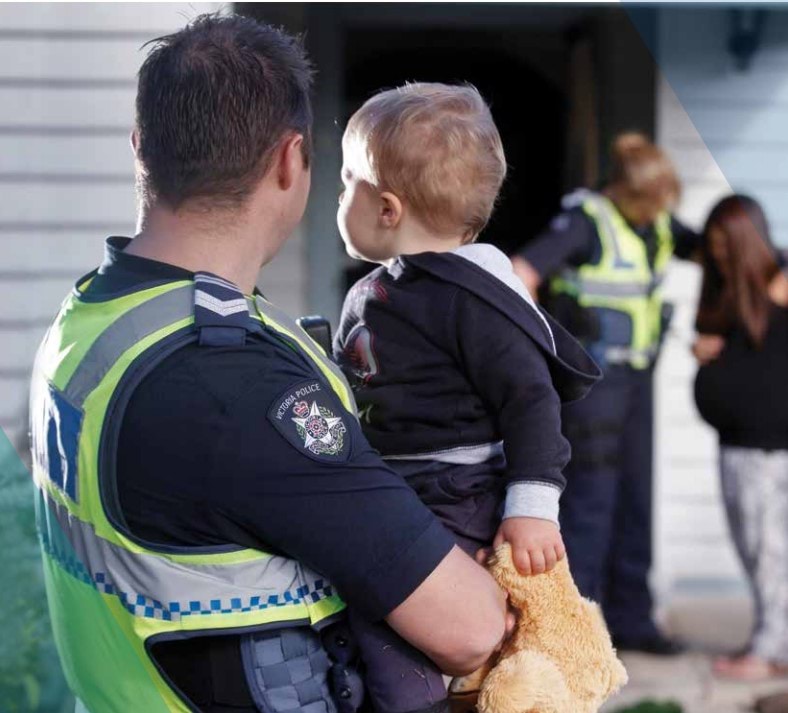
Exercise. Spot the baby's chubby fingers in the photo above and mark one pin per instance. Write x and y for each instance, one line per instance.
(550, 558)
(483, 554)
(522, 560)
(500, 538)
(537, 561)
(536, 543)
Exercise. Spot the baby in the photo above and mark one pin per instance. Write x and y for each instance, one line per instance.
(458, 375)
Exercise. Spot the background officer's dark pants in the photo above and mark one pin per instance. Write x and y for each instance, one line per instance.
(606, 507)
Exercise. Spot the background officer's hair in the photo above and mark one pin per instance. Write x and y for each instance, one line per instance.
(213, 102)
(434, 145)
(643, 170)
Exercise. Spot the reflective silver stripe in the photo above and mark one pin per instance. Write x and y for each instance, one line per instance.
(154, 587)
(129, 329)
(622, 355)
(461, 455)
(277, 315)
(605, 288)
(598, 288)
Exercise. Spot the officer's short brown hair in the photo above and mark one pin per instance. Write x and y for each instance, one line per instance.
(436, 147)
(213, 101)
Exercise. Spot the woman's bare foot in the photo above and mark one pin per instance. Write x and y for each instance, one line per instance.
(748, 667)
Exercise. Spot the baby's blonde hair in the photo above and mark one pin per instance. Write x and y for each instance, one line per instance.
(436, 147)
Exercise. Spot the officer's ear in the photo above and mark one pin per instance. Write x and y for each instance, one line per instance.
(390, 210)
(290, 165)
(134, 140)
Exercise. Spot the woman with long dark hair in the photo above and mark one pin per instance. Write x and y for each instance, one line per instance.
(742, 391)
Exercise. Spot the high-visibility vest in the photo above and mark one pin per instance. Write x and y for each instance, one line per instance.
(111, 595)
(622, 281)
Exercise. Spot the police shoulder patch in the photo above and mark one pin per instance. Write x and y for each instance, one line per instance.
(310, 418)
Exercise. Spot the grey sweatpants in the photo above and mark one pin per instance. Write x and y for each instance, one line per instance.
(755, 491)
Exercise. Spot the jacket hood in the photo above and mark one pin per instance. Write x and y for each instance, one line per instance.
(487, 273)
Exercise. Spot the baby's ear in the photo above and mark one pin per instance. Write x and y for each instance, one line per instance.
(390, 210)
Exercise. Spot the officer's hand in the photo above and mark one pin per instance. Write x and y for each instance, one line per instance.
(527, 274)
(536, 543)
(707, 347)
(482, 556)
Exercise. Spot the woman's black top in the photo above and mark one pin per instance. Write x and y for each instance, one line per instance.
(744, 393)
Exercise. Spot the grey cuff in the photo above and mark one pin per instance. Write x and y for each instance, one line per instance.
(529, 499)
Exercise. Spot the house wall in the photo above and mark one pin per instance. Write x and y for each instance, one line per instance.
(725, 130)
(67, 80)
(67, 86)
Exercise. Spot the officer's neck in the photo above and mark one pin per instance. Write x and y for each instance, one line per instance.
(232, 244)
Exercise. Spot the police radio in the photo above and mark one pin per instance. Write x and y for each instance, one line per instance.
(319, 329)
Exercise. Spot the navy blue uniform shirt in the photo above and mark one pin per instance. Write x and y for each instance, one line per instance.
(201, 461)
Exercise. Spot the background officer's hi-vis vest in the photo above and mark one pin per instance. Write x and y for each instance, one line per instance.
(623, 283)
(112, 596)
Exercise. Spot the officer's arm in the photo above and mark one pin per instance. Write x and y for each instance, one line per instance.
(456, 616)
(570, 239)
(302, 479)
(687, 242)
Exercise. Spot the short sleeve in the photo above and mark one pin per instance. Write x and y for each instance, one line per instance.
(569, 240)
(301, 479)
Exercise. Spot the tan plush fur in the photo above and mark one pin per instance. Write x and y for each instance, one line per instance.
(559, 658)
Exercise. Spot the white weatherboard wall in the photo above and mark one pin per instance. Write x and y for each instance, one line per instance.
(691, 541)
(741, 115)
(67, 86)
(725, 130)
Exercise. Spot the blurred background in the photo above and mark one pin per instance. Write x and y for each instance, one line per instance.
(709, 82)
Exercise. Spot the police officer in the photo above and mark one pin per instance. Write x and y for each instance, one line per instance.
(603, 259)
(205, 495)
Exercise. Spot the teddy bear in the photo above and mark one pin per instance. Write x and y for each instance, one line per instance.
(559, 659)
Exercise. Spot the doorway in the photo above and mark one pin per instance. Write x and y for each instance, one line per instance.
(519, 73)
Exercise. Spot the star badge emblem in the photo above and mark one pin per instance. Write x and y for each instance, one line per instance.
(321, 430)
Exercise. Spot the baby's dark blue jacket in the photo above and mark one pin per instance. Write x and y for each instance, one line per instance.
(450, 360)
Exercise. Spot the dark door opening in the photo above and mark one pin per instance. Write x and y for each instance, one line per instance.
(529, 107)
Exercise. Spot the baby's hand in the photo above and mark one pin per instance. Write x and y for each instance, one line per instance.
(536, 543)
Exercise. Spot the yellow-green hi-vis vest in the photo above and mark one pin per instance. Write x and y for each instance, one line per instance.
(622, 281)
(112, 596)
